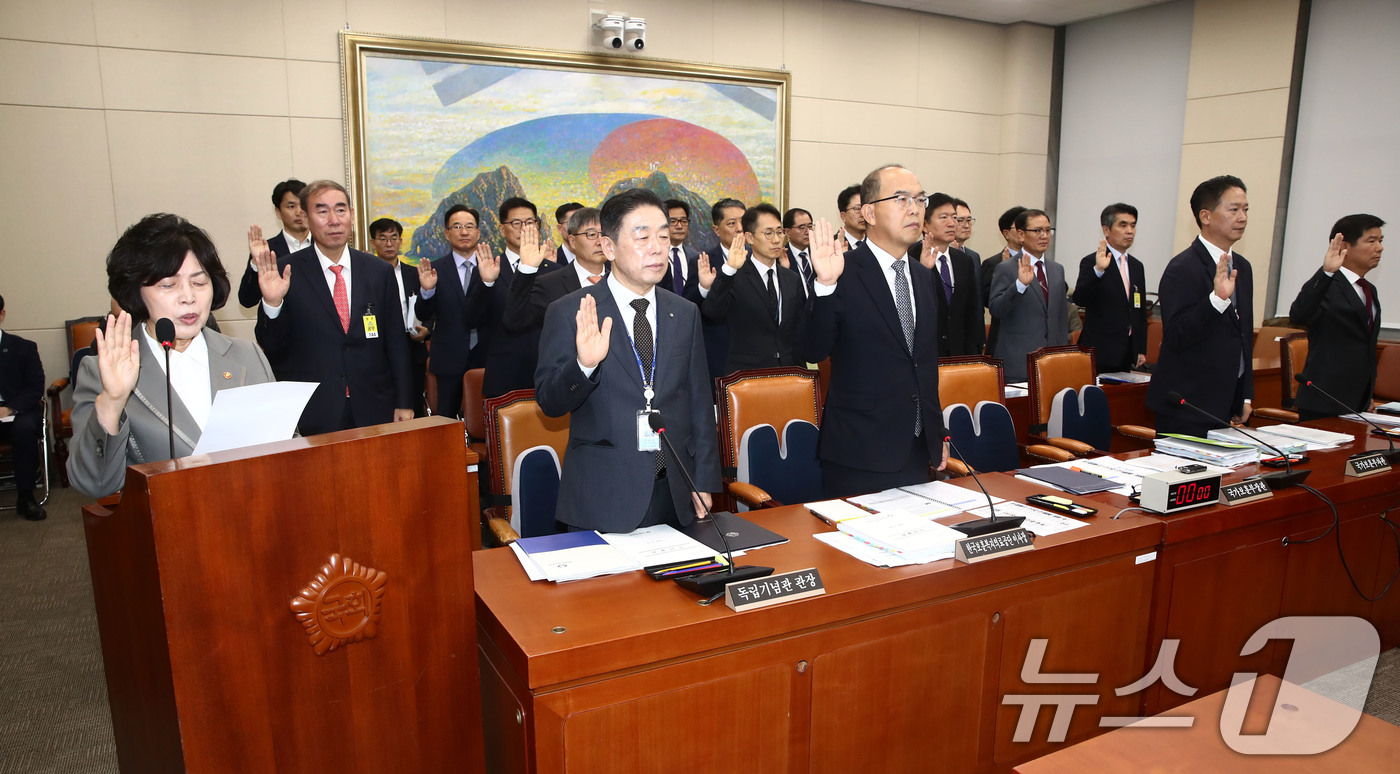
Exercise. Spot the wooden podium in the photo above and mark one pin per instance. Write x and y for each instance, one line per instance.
(305, 606)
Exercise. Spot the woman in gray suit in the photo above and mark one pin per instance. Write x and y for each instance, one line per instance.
(162, 267)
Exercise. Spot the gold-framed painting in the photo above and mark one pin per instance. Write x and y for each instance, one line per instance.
(433, 123)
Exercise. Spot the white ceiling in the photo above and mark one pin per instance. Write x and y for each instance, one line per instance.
(1049, 12)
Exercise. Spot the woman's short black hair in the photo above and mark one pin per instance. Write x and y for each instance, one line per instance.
(153, 249)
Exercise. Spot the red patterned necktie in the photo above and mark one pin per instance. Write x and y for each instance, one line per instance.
(1040, 277)
(342, 299)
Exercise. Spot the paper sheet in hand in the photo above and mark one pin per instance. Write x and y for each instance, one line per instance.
(257, 413)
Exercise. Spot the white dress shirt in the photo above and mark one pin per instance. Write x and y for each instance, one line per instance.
(886, 263)
(1034, 263)
(189, 374)
(327, 275)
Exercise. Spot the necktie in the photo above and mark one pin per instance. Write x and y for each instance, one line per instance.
(593, 279)
(804, 266)
(464, 271)
(677, 278)
(905, 306)
(1040, 277)
(1123, 270)
(1370, 292)
(641, 339)
(773, 295)
(947, 278)
(342, 299)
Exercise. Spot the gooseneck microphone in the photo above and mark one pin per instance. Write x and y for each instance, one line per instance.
(987, 525)
(1392, 457)
(710, 584)
(165, 334)
(1275, 480)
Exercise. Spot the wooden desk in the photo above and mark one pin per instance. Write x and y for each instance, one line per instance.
(1373, 746)
(889, 670)
(1223, 572)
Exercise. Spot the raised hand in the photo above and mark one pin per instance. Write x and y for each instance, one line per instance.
(828, 254)
(926, 256)
(706, 272)
(1101, 256)
(531, 254)
(272, 285)
(427, 275)
(738, 251)
(784, 259)
(591, 339)
(1336, 253)
(488, 266)
(1224, 278)
(119, 365)
(1024, 273)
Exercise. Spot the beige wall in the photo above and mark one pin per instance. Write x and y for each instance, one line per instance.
(1236, 114)
(113, 109)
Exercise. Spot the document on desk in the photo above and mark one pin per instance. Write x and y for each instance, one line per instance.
(1040, 522)
(951, 494)
(660, 544)
(1125, 377)
(834, 512)
(257, 413)
(1124, 479)
(901, 501)
(1161, 463)
(571, 556)
(1315, 438)
(862, 550)
(918, 540)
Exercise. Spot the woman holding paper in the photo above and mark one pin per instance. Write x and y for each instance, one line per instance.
(162, 267)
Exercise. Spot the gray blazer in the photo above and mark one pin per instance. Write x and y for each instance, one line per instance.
(1027, 324)
(97, 461)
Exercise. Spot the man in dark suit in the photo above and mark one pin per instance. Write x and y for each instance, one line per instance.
(1206, 294)
(564, 255)
(455, 303)
(645, 356)
(294, 236)
(1342, 312)
(761, 301)
(510, 356)
(533, 291)
(965, 221)
(386, 235)
(882, 425)
(797, 225)
(21, 390)
(343, 332)
(1030, 297)
(682, 277)
(726, 215)
(1111, 291)
(955, 280)
(853, 224)
(1007, 224)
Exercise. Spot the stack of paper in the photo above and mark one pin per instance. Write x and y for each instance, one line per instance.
(1315, 439)
(1384, 420)
(1038, 521)
(1262, 436)
(1121, 476)
(1125, 377)
(1392, 407)
(951, 495)
(1193, 447)
(901, 501)
(660, 544)
(908, 537)
(571, 556)
(834, 512)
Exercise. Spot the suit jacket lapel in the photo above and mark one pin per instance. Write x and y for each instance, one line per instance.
(872, 279)
(620, 344)
(756, 277)
(310, 266)
(224, 372)
(150, 390)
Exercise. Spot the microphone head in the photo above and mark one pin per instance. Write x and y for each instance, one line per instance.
(1176, 396)
(165, 332)
(657, 425)
(1299, 378)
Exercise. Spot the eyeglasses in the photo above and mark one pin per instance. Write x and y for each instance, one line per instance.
(803, 227)
(678, 221)
(387, 238)
(591, 233)
(969, 221)
(854, 209)
(770, 233)
(905, 201)
(1040, 231)
(521, 223)
(462, 227)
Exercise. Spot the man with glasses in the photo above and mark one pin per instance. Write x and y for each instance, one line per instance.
(955, 280)
(761, 301)
(1029, 297)
(874, 314)
(965, 221)
(1110, 290)
(726, 216)
(797, 225)
(454, 300)
(508, 354)
(386, 235)
(561, 220)
(848, 204)
(681, 276)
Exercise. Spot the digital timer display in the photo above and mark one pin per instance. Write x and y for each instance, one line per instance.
(1188, 493)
